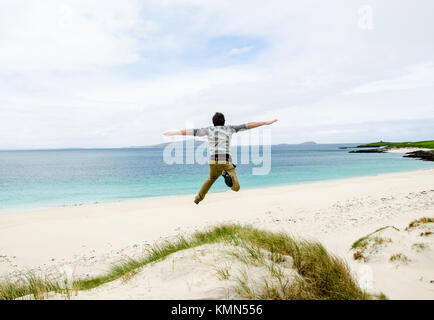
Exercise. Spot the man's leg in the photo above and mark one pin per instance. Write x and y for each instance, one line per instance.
(213, 175)
(231, 170)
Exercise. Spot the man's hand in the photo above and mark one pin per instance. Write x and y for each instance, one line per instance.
(259, 124)
(270, 122)
(170, 133)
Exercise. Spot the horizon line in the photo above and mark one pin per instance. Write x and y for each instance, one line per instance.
(160, 144)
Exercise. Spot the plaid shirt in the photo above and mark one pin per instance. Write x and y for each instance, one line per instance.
(219, 137)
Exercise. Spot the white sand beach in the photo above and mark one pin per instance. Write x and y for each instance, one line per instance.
(89, 238)
(406, 150)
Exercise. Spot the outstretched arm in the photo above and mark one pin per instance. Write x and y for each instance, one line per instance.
(259, 124)
(177, 133)
(188, 132)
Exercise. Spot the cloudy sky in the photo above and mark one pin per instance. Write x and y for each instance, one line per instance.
(111, 73)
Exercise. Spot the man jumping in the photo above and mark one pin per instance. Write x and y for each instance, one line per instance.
(219, 139)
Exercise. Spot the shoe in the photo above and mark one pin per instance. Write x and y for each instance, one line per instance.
(196, 200)
(228, 178)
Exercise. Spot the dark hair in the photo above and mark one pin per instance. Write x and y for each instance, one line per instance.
(218, 119)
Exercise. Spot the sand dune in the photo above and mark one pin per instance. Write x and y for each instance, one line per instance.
(188, 274)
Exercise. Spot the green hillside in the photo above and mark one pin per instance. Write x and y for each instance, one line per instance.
(417, 144)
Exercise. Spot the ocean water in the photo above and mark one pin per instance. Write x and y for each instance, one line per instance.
(46, 178)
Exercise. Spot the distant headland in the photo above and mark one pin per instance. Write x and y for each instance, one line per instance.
(423, 150)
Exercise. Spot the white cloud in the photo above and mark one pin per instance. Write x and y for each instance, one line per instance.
(237, 51)
(417, 76)
(170, 89)
(68, 35)
(109, 73)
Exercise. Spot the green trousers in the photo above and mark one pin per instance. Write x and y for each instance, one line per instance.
(215, 171)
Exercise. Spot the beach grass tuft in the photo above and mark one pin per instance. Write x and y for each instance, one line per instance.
(321, 275)
(380, 296)
(370, 241)
(223, 273)
(358, 255)
(364, 241)
(425, 234)
(399, 257)
(419, 246)
(35, 285)
(418, 222)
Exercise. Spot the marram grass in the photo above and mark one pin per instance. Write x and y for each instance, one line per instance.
(321, 275)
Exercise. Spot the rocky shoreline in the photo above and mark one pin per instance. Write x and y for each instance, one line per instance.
(359, 146)
(425, 155)
(421, 155)
(368, 151)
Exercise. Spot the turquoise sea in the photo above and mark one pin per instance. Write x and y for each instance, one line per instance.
(45, 178)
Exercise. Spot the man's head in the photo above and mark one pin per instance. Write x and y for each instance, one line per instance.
(218, 119)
